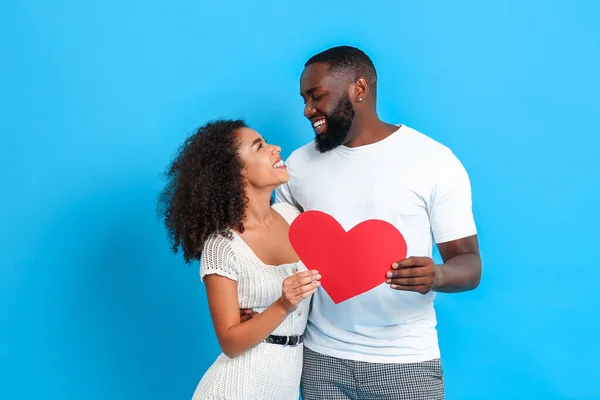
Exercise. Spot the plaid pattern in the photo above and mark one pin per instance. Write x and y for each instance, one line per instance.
(330, 378)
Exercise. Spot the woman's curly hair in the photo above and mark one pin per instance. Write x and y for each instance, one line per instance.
(205, 190)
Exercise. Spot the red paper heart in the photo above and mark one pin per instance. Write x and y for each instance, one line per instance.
(350, 263)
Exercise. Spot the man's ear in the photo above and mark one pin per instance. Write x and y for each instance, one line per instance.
(360, 90)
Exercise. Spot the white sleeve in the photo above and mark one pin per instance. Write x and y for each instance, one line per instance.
(283, 193)
(217, 258)
(451, 215)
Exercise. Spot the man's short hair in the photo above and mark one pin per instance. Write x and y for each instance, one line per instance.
(349, 61)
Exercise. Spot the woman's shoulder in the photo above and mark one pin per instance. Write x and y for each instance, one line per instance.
(287, 211)
(219, 243)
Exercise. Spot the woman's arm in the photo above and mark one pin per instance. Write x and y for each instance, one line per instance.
(234, 337)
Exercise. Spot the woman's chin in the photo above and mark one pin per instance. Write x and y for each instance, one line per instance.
(283, 176)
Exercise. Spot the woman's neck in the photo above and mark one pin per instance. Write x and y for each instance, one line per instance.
(258, 212)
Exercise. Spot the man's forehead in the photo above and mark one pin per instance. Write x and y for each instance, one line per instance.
(316, 75)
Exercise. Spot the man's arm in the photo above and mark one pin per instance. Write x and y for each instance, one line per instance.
(461, 270)
(454, 229)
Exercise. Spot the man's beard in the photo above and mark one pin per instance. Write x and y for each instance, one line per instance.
(338, 126)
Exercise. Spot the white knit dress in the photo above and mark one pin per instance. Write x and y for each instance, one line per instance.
(267, 371)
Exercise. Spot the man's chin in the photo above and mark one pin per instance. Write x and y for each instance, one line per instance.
(329, 140)
(323, 146)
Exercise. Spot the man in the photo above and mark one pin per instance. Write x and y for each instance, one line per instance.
(382, 343)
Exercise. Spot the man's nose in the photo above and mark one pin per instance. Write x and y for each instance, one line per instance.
(309, 110)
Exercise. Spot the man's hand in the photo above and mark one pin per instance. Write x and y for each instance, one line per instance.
(247, 314)
(414, 274)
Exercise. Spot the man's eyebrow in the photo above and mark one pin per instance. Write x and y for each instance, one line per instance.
(312, 89)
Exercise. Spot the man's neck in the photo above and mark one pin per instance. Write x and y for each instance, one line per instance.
(369, 129)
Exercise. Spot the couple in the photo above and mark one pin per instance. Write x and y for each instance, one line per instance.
(381, 344)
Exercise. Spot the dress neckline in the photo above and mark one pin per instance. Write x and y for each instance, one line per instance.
(249, 249)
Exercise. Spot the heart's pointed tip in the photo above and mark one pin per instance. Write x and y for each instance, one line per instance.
(338, 301)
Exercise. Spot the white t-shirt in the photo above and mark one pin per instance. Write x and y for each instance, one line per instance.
(416, 184)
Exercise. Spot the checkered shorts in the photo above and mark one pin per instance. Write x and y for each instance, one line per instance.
(329, 378)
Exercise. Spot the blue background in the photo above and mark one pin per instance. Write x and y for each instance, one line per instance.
(96, 97)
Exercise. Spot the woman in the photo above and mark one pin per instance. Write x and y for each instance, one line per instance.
(217, 208)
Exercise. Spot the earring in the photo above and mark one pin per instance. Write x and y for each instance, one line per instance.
(360, 99)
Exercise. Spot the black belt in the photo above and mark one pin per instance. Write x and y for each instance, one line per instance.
(284, 340)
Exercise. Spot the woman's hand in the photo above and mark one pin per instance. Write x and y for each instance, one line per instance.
(297, 288)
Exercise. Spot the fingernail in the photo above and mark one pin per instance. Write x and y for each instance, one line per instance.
(393, 286)
(318, 283)
(388, 281)
(395, 265)
(318, 276)
(315, 272)
(389, 274)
